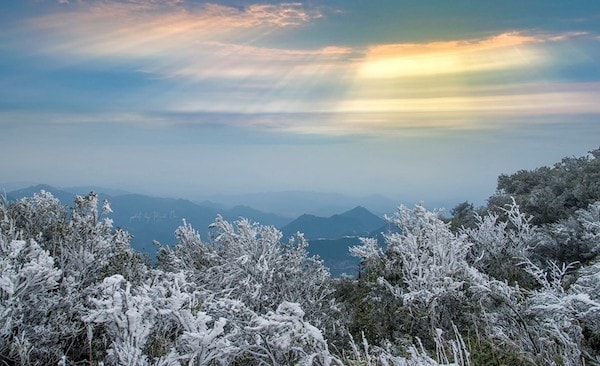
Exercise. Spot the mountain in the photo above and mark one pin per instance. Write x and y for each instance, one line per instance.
(254, 215)
(87, 189)
(295, 203)
(151, 218)
(331, 237)
(336, 255)
(157, 219)
(65, 197)
(355, 222)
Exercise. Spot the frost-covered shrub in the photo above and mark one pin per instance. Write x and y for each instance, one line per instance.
(95, 300)
(35, 304)
(574, 239)
(424, 271)
(590, 220)
(127, 317)
(189, 254)
(498, 246)
(438, 275)
(158, 322)
(91, 248)
(284, 337)
(586, 292)
(166, 322)
(40, 217)
(370, 254)
(411, 355)
(547, 323)
(28, 299)
(264, 272)
(72, 291)
(536, 321)
(249, 263)
(552, 309)
(413, 289)
(51, 261)
(432, 258)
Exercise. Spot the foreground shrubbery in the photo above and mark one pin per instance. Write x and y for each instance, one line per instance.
(500, 290)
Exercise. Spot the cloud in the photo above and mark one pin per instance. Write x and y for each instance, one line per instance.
(507, 50)
(170, 19)
(535, 103)
(213, 58)
(207, 41)
(237, 61)
(282, 15)
(481, 108)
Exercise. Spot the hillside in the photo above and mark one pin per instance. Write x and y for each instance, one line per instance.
(356, 222)
(296, 203)
(336, 255)
(151, 218)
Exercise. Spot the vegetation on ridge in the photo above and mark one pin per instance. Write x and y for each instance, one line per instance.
(495, 285)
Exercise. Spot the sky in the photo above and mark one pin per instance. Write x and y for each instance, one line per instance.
(413, 100)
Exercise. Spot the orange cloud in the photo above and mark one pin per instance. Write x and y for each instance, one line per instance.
(209, 41)
(282, 15)
(413, 60)
(191, 45)
(141, 28)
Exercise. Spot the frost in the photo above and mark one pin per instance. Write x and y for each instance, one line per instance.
(368, 251)
(285, 338)
(432, 258)
(106, 207)
(72, 291)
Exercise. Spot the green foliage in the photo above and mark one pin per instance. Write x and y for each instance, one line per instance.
(377, 318)
(554, 197)
(463, 216)
(550, 194)
(484, 352)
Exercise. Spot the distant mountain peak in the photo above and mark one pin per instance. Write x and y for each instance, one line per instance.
(357, 210)
(294, 203)
(308, 216)
(64, 197)
(357, 221)
(41, 187)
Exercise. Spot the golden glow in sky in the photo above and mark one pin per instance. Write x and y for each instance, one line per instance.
(217, 54)
(503, 51)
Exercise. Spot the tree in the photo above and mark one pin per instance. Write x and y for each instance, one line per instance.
(463, 216)
(571, 240)
(552, 193)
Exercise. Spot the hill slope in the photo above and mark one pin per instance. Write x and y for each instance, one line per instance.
(150, 218)
(356, 222)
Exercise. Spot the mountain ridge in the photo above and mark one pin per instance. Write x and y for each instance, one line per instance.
(151, 219)
(295, 203)
(355, 222)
